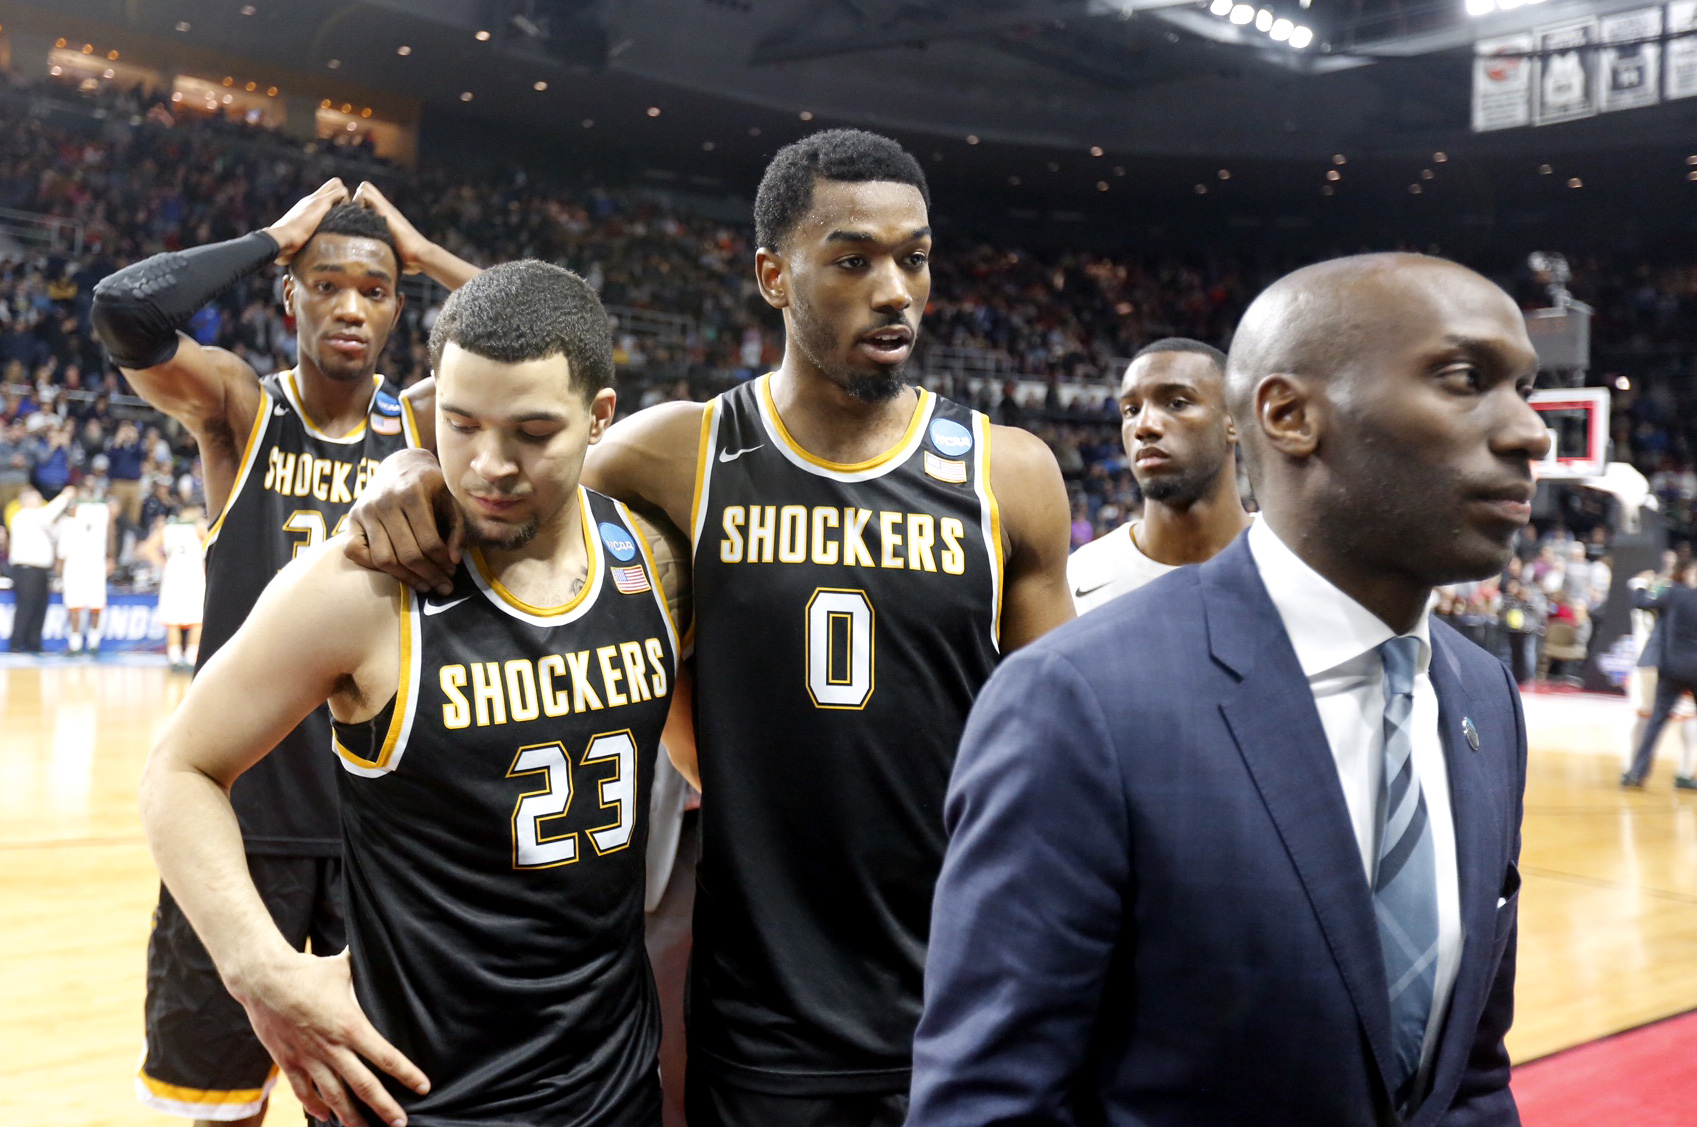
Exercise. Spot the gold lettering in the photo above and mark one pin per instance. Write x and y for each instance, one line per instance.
(824, 548)
(921, 533)
(610, 676)
(521, 690)
(854, 547)
(486, 697)
(273, 458)
(792, 534)
(339, 494)
(457, 712)
(889, 539)
(954, 557)
(555, 702)
(762, 524)
(285, 475)
(730, 548)
(583, 694)
(303, 475)
(631, 654)
(321, 479)
(657, 659)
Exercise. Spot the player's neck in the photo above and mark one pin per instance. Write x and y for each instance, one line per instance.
(334, 406)
(831, 424)
(1197, 533)
(552, 568)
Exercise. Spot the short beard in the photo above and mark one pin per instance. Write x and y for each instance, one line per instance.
(508, 540)
(815, 338)
(1181, 491)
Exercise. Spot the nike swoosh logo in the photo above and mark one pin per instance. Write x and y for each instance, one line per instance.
(438, 608)
(728, 456)
(1080, 592)
(279, 411)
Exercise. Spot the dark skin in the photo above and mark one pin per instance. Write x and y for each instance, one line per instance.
(1383, 399)
(1182, 445)
(856, 267)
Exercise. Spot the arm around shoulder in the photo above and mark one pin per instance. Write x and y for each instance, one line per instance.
(1036, 520)
(649, 461)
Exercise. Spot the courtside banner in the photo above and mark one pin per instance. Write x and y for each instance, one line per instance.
(130, 624)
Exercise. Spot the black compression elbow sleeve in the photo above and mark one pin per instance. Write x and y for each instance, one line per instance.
(138, 310)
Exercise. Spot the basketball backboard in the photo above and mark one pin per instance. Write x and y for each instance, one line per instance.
(1578, 421)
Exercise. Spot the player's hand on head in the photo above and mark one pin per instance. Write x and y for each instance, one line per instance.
(300, 221)
(405, 523)
(412, 244)
(305, 1014)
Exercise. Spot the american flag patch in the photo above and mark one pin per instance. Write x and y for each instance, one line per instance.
(945, 469)
(632, 580)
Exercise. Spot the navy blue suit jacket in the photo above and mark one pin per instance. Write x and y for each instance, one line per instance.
(1153, 910)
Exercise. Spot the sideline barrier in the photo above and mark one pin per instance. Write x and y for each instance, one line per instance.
(130, 624)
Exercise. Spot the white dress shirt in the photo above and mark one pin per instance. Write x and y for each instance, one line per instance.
(32, 536)
(1336, 640)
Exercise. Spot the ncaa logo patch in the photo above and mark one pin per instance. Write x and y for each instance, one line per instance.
(950, 438)
(618, 542)
(385, 404)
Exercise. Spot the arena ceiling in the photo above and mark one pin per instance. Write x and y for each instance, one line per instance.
(1010, 94)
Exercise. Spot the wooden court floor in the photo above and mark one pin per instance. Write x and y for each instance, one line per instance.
(1608, 909)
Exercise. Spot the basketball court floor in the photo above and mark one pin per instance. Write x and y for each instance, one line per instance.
(1608, 913)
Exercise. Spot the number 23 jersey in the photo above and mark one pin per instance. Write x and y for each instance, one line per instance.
(846, 617)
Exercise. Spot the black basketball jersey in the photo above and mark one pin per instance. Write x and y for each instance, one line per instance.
(846, 617)
(294, 488)
(496, 821)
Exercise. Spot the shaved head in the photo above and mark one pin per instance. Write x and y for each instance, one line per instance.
(1380, 404)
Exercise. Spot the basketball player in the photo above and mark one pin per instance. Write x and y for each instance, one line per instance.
(494, 923)
(283, 458)
(864, 553)
(176, 546)
(85, 561)
(1182, 446)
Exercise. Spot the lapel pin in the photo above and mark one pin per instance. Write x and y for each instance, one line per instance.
(1470, 732)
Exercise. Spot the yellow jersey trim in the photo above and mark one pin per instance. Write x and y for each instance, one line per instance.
(921, 411)
(512, 600)
(998, 561)
(306, 419)
(398, 717)
(205, 1096)
(702, 464)
(409, 421)
(250, 455)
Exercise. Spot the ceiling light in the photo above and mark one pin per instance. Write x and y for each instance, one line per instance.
(653, 111)
(1339, 159)
(366, 112)
(1221, 7)
(754, 131)
(1691, 160)
(1201, 189)
(112, 55)
(1692, 175)
(1623, 384)
(325, 104)
(1326, 189)
(972, 138)
(1014, 180)
(466, 97)
(347, 107)
(1225, 174)
(228, 98)
(182, 25)
(706, 146)
(1053, 167)
(334, 64)
(177, 97)
(1334, 175)
(588, 123)
(1101, 185)
(1576, 182)
(228, 81)
(539, 86)
(108, 73)
(1095, 150)
(806, 115)
(1481, 7)
(1414, 189)
(403, 49)
(271, 92)
(1242, 13)
(481, 37)
(1119, 170)
(1544, 170)
(1263, 20)
(1301, 37)
(1440, 158)
(248, 9)
(56, 70)
(1305, 3)
(1281, 30)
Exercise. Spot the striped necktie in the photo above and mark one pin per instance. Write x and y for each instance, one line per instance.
(1405, 897)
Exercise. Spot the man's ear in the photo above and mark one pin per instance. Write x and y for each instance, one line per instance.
(1288, 414)
(772, 272)
(289, 293)
(601, 410)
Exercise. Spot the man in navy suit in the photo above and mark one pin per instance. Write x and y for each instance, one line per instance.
(1239, 848)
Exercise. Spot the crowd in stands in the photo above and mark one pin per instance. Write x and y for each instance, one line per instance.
(139, 179)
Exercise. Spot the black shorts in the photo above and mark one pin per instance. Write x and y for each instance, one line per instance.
(712, 1102)
(203, 1061)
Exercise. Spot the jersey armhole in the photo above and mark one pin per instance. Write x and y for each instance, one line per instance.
(401, 704)
(250, 455)
(656, 582)
(703, 472)
(991, 515)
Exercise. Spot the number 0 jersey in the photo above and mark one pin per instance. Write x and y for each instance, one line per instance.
(496, 818)
(293, 489)
(846, 617)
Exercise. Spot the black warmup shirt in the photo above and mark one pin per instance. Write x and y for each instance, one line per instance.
(294, 489)
(847, 615)
(496, 819)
